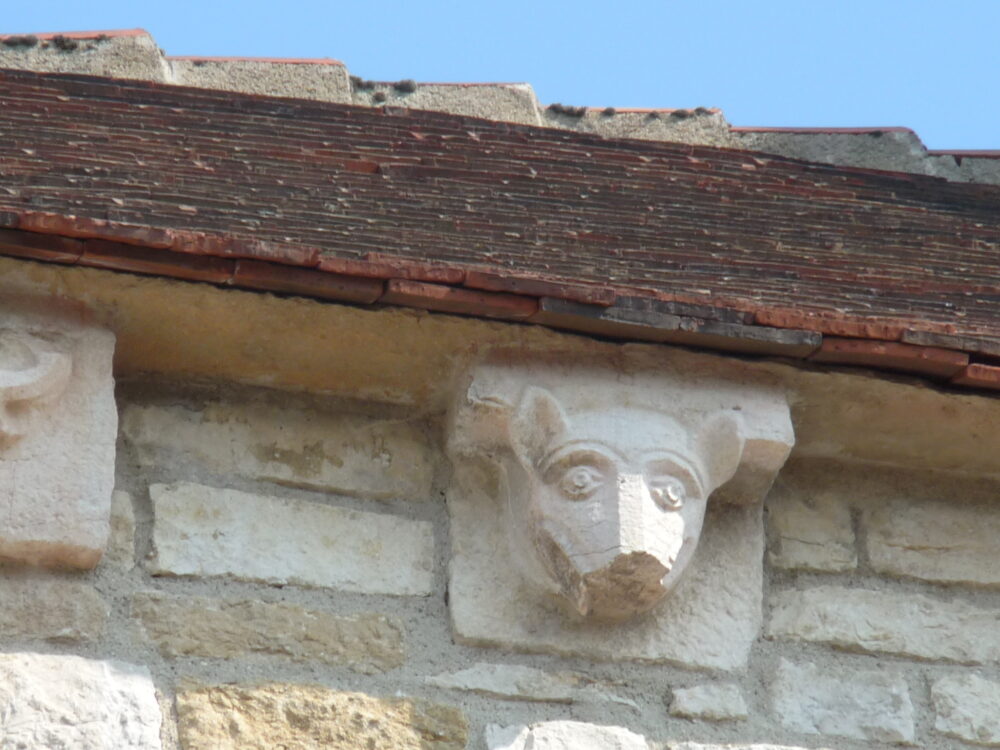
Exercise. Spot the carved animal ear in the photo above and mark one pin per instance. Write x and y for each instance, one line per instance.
(538, 421)
(720, 445)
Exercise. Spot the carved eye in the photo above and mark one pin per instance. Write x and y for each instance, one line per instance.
(580, 482)
(668, 492)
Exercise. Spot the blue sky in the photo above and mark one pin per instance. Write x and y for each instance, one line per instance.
(931, 66)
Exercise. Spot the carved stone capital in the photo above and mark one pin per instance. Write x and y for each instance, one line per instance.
(58, 426)
(604, 476)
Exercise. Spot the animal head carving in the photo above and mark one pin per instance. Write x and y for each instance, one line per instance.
(602, 470)
(611, 502)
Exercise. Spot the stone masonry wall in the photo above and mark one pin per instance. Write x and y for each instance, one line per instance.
(277, 577)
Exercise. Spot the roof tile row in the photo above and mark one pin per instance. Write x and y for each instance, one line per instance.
(659, 242)
(631, 318)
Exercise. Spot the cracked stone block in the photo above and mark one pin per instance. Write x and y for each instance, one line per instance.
(944, 541)
(519, 683)
(809, 529)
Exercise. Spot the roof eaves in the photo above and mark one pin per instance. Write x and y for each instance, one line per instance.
(620, 316)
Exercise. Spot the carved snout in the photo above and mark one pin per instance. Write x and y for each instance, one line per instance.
(618, 570)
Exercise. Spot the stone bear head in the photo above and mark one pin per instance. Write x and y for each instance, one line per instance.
(607, 505)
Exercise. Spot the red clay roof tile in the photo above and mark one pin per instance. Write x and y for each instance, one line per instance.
(890, 355)
(174, 176)
(454, 300)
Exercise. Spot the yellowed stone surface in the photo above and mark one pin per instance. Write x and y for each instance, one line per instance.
(409, 357)
(305, 717)
(227, 629)
(340, 453)
(48, 609)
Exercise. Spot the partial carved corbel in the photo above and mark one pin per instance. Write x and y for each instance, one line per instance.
(604, 479)
(30, 375)
(58, 426)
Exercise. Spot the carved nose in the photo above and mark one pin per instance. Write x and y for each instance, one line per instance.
(636, 509)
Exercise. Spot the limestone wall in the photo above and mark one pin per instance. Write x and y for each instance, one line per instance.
(277, 576)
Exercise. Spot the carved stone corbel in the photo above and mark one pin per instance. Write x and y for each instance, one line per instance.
(603, 477)
(31, 375)
(58, 426)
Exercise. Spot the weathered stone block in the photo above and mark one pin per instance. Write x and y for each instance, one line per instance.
(223, 629)
(50, 610)
(965, 706)
(121, 543)
(887, 622)
(129, 54)
(325, 82)
(301, 717)
(514, 682)
(512, 102)
(204, 531)
(936, 541)
(71, 703)
(738, 746)
(58, 426)
(715, 702)
(563, 735)
(509, 681)
(865, 705)
(810, 530)
(340, 453)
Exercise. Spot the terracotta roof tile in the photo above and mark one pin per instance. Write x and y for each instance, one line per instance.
(979, 376)
(889, 355)
(453, 300)
(271, 277)
(689, 244)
